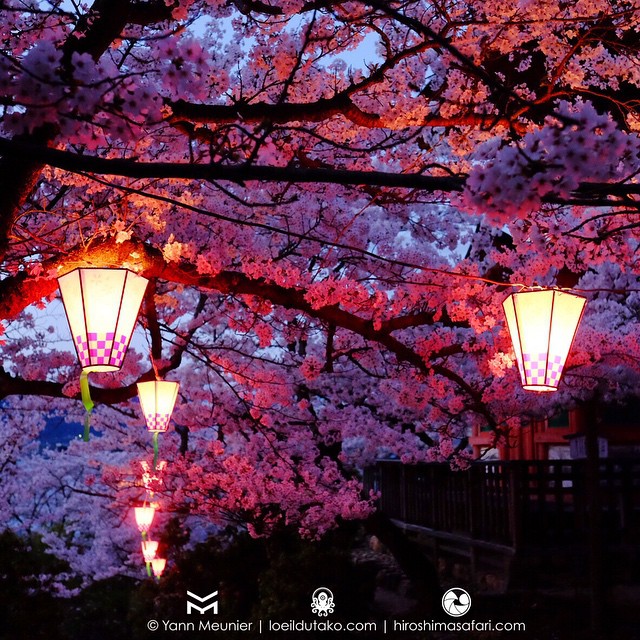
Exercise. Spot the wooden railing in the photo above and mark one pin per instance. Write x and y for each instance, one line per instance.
(516, 504)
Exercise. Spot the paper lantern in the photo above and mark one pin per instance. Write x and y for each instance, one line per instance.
(158, 565)
(144, 518)
(542, 324)
(102, 307)
(157, 399)
(149, 549)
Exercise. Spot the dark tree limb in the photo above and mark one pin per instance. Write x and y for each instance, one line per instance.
(152, 325)
(74, 162)
(102, 23)
(596, 194)
(149, 261)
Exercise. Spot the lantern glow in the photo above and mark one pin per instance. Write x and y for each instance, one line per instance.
(150, 476)
(144, 518)
(542, 324)
(157, 399)
(102, 307)
(149, 549)
(158, 565)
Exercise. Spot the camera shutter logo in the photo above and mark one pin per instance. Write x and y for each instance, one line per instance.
(322, 601)
(456, 602)
(205, 607)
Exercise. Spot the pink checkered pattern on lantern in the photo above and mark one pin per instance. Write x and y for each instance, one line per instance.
(101, 349)
(537, 371)
(83, 351)
(157, 421)
(118, 350)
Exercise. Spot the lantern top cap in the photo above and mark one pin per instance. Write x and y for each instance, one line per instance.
(95, 268)
(540, 288)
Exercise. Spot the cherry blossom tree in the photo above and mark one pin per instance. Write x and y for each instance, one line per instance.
(331, 200)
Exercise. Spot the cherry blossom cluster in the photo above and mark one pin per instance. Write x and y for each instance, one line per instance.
(576, 145)
(316, 327)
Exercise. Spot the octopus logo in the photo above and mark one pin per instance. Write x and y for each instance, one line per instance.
(456, 602)
(322, 601)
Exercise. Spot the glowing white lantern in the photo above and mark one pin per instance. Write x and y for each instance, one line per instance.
(157, 399)
(144, 518)
(149, 549)
(158, 565)
(542, 324)
(102, 307)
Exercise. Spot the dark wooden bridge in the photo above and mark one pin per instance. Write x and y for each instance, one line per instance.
(511, 510)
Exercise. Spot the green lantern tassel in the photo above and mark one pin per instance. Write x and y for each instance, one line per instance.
(87, 402)
(144, 537)
(155, 450)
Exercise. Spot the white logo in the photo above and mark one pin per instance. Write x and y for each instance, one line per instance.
(322, 601)
(192, 605)
(456, 602)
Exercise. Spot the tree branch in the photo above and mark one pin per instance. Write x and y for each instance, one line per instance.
(592, 193)
(151, 316)
(95, 31)
(150, 263)
(319, 111)
(74, 162)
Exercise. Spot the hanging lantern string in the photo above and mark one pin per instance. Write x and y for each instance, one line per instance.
(148, 567)
(553, 287)
(143, 535)
(85, 393)
(155, 450)
(155, 433)
(325, 241)
(149, 494)
(154, 365)
(541, 287)
(509, 285)
(506, 284)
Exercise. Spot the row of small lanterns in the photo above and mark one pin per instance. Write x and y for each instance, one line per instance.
(157, 399)
(144, 516)
(102, 305)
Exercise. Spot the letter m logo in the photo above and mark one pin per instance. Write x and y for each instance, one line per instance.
(212, 605)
